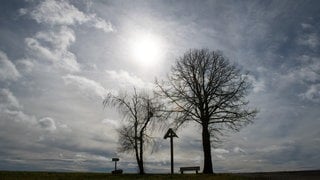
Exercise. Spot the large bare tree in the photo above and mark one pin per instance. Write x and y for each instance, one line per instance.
(204, 87)
(142, 114)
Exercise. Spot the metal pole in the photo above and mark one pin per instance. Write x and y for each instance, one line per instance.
(171, 143)
(115, 165)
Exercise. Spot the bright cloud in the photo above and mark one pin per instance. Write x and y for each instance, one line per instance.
(221, 151)
(58, 12)
(60, 40)
(125, 79)
(101, 24)
(53, 46)
(8, 70)
(87, 86)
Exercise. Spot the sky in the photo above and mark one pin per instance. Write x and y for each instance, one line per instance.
(58, 60)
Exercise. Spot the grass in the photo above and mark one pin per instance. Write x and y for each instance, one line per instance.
(14, 175)
(17, 175)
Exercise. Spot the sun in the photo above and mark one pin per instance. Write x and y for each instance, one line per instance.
(146, 50)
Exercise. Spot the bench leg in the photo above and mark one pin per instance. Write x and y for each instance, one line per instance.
(181, 172)
(196, 171)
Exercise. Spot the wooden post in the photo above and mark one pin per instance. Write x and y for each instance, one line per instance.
(171, 135)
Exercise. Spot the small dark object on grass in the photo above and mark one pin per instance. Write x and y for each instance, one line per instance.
(118, 171)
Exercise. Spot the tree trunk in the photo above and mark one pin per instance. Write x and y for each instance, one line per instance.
(137, 149)
(140, 165)
(207, 167)
(139, 158)
(141, 168)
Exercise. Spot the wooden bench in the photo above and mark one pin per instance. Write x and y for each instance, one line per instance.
(192, 168)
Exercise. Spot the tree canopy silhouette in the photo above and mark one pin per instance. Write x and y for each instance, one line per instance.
(204, 87)
(142, 114)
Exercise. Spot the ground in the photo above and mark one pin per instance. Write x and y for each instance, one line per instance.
(13, 175)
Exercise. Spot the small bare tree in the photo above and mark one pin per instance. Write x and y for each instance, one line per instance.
(142, 114)
(205, 88)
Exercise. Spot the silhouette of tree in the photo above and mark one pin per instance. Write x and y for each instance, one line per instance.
(142, 114)
(205, 88)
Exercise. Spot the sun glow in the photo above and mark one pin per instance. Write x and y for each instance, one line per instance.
(146, 50)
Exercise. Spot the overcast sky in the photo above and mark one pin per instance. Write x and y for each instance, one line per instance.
(58, 59)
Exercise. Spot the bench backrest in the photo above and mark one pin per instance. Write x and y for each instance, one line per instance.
(190, 168)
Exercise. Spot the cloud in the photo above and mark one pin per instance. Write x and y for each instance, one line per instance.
(111, 122)
(261, 35)
(58, 12)
(311, 40)
(309, 69)
(38, 50)
(306, 26)
(125, 79)
(86, 86)
(8, 100)
(258, 84)
(52, 46)
(8, 70)
(60, 39)
(100, 23)
(26, 141)
(221, 151)
(25, 65)
(271, 148)
(221, 156)
(312, 94)
(11, 110)
(238, 150)
(303, 74)
(47, 123)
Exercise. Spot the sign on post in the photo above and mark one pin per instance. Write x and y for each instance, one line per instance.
(116, 171)
(171, 134)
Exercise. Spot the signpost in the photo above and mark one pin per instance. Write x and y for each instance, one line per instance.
(171, 135)
(115, 162)
(116, 171)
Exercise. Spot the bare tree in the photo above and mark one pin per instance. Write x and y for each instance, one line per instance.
(205, 88)
(142, 114)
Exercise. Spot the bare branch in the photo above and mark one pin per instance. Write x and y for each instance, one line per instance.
(143, 114)
(205, 88)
